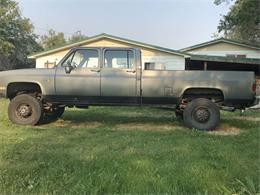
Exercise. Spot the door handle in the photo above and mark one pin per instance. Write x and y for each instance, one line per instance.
(132, 71)
(95, 70)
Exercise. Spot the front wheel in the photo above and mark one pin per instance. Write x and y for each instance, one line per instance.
(179, 115)
(201, 114)
(25, 110)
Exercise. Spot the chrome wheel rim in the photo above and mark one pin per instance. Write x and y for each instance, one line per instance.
(201, 114)
(24, 111)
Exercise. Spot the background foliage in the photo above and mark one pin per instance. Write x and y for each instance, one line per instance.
(242, 22)
(55, 39)
(18, 40)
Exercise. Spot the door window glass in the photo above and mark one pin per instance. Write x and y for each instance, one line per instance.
(122, 59)
(83, 58)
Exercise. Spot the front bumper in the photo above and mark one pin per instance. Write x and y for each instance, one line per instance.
(2, 92)
(2, 95)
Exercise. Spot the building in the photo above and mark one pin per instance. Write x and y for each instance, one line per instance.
(218, 54)
(155, 56)
(224, 54)
(225, 48)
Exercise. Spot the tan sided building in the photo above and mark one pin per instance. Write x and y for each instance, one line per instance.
(162, 58)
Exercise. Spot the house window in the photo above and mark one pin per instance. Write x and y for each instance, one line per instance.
(149, 65)
(231, 55)
(154, 66)
(236, 56)
(241, 56)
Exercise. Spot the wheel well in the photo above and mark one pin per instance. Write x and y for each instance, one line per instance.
(22, 87)
(208, 93)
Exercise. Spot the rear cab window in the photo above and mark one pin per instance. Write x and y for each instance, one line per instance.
(119, 59)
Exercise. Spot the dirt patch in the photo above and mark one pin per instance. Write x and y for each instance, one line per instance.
(90, 125)
(129, 114)
(140, 114)
(247, 118)
(147, 126)
(72, 125)
(225, 129)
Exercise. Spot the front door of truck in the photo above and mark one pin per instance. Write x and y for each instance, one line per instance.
(118, 76)
(83, 82)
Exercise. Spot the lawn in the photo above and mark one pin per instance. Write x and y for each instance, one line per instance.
(129, 150)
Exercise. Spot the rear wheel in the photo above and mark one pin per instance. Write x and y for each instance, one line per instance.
(201, 114)
(25, 110)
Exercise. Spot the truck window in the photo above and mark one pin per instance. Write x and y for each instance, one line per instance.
(83, 58)
(121, 59)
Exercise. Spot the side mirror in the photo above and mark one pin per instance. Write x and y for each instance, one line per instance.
(68, 69)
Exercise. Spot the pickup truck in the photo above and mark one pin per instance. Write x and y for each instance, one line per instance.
(115, 76)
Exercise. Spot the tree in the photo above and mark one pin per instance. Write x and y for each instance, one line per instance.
(76, 37)
(242, 21)
(52, 39)
(17, 39)
(218, 2)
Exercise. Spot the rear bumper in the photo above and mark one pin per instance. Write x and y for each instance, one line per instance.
(256, 105)
(257, 100)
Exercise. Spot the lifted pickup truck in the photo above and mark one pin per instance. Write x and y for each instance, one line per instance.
(115, 76)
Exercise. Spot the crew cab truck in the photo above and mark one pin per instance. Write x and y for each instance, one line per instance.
(115, 76)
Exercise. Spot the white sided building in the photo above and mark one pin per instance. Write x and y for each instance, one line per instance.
(155, 56)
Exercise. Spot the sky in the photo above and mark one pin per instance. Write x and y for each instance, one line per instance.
(173, 24)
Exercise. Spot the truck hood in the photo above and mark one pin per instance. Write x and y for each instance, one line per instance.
(26, 75)
(27, 72)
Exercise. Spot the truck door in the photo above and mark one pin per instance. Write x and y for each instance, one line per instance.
(83, 82)
(119, 76)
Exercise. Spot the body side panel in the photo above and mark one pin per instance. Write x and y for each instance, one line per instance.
(44, 78)
(234, 85)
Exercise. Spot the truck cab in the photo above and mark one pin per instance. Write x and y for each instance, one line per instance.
(99, 75)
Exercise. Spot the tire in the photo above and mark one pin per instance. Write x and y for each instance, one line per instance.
(201, 114)
(179, 114)
(25, 110)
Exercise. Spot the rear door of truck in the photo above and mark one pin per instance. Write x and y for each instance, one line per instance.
(119, 76)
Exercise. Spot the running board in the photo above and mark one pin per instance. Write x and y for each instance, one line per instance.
(227, 108)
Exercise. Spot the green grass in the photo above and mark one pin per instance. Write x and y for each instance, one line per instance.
(129, 150)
